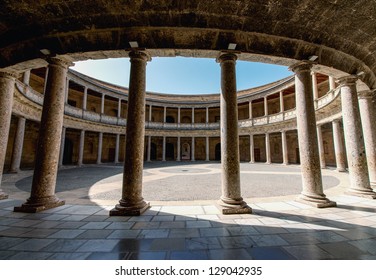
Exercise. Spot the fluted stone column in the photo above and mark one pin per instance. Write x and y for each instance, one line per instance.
(266, 105)
(164, 149)
(132, 203)
(207, 114)
(81, 148)
(193, 115)
(102, 103)
(231, 200)
(367, 114)
(47, 155)
(251, 149)
(148, 157)
(7, 81)
(150, 112)
(84, 99)
(321, 147)
(164, 114)
(312, 192)
(314, 86)
(285, 154)
(119, 108)
(117, 148)
(267, 148)
(207, 149)
(339, 149)
(178, 150)
(100, 146)
(355, 149)
(18, 146)
(250, 109)
(281, 102)
(193, 149)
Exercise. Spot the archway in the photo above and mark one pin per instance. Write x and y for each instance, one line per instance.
(170, 151)
(218, 152)
(186, 152)
(68, 151)
(153, 151)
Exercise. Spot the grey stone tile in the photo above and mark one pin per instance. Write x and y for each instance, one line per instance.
(49, 224)
(95, 225)
(7, 221)
(308, 252)
(118, 218)
(147, 256)
(184, 233)
(146, 225)
(189, 255)
(39, 233)
(14, 231)
(299, 238)
(355, 234)
(124, 233)
(64, 245)
(229, 254)
(174, 224)
(55, 217)
(6, 255)
(218, 231)
(31, 256)
(328, 236)
(67, 233)
(198, 224)
(154, 233)
(80, 210)
(95, 234)
(8, 242)
(342, 250)
(141, 219)
(268, 240)
(243, 230)
(269, 253)
(75, 218)
(234, 242)
(168, 244)
(120, 225)
(202, 243)
(98, 245)
(70, 225)
(26, 223)
(3, 228)
(163, 218)
(270, 229)
(133, 245)
(69, 256)
(35, 244)
(96, 218)
(366, 245)
(107, 256)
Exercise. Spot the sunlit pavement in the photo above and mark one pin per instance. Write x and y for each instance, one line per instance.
(184, 222)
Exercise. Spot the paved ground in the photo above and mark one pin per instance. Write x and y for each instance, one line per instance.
(280, 228)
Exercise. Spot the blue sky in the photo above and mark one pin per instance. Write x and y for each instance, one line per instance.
(182, 75)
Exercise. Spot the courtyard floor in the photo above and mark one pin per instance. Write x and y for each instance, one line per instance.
(184, 222)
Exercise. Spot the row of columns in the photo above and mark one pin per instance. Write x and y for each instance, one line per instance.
(132, 203)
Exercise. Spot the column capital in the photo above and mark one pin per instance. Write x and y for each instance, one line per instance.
(225, 56)
(336, 121)
(8, 74)
(366, 94)
(301, 66)
(65, 63)
(347, 80)
(138, 54)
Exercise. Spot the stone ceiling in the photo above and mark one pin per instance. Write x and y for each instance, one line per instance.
(342, 33)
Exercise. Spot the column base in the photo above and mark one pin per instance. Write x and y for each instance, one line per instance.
(231, 207)
(3, 195)
(129, 210)
(362, 193)
(316, 201)
(31, 206)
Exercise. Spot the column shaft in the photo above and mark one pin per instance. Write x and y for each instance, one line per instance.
(284, 148)
(164, 149)
(102, 103)
(150, 112)
(18, 145)
(308, 148)
(251, 149)
(7, 82)
(207, 114)
(119, 109)
(367, 114)
(339, 147)
(100, 147)
(47, 155)
(266, 106)
(178, 150)
(314, 86)
(332, 83)
(84, 101)
(250, 110)
(231, 200)
(26, 77)
(321, 147)
(281, 102)
(148, 157)
(132, 202)
(207, 149)
(267, 148)
(193, 149)
(355, 149)
(81, 148)
(164, 114)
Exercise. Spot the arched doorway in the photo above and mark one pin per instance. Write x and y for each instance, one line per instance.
(153, 151)
(218, 152)
(170, 151)
(186, 152)
(68, 151)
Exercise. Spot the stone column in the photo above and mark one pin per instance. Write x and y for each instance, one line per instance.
(100, 145)
(193, 149)
(164, 149)
(367, 114)
(62, 146)
(164, 114)
(231, 200)
(266, 105)
(332, 83)
(47, 155)
(7, 81)
(148, 157)
(314, 86)
(119, 109)
(250, 109)
(178, 150)
(81, 148)
(150, 112)
(178, 115)
(132, 202)
(45, 82)
(26, 77)
(193, 115)
(355, 149)
(338, 146)
(67, 91)
(18, 145)
(321, 147)
(102, 103)
(306, 123)
(285, 154)
(251, 149)
(207, 149)
(281, 102)
(84, 101)
(117, 148)
(267, 148)
(207, 114)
